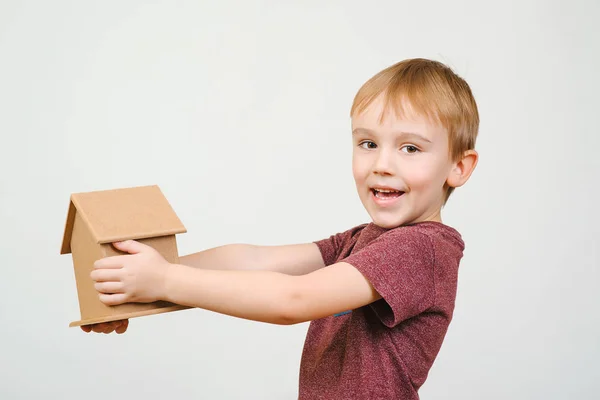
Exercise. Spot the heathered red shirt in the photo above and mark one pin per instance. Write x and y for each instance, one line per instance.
(384, 350)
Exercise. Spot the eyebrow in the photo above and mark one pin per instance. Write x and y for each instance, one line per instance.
(359, 131)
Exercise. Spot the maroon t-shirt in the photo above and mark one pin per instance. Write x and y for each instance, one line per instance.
(384, 350)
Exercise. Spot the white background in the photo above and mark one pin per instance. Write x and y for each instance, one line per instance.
(239, 111)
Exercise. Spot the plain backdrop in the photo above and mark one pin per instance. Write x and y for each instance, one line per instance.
(239, 111)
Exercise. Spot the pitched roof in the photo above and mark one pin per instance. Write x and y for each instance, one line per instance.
(120, 214)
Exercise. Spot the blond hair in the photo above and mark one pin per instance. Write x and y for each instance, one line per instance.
(430, 89)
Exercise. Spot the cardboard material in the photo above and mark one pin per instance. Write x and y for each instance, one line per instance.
(97, 219)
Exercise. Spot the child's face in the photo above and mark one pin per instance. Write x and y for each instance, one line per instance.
(407, 159)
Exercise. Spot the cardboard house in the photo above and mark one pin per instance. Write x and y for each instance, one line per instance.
(97, 219)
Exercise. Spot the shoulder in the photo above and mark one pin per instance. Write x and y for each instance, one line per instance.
(427, 235)
(422, 245)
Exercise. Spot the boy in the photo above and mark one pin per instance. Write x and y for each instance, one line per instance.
(380, 296)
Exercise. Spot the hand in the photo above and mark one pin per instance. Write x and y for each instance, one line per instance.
(107, 327)
(135, 277)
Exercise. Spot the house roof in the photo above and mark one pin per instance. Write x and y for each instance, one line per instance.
(121, 214)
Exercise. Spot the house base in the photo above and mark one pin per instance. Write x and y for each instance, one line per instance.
(134, 314)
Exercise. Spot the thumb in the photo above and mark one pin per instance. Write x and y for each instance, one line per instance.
(129, 246)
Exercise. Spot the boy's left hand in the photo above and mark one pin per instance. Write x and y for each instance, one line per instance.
(135, 277)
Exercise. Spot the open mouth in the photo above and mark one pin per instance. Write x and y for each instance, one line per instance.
(386, 193)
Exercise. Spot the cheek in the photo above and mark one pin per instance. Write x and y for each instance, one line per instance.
(421, 176)
(426, 175)
(359, 169)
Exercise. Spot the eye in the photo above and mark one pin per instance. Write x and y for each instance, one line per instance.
(369, 144)
(410, 149)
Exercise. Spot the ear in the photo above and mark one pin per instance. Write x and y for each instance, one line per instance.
(462, 169)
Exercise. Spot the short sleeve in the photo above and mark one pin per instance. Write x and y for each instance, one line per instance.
(332, 247)
(399, 264)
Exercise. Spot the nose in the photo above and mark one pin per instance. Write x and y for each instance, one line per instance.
(384, 163)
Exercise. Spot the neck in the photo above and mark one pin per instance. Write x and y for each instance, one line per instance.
(435, 216)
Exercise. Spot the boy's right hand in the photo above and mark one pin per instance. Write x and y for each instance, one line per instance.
(107, 327)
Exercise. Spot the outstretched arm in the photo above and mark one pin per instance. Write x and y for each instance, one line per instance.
(267, 296)
(270, 296)
(294, 259)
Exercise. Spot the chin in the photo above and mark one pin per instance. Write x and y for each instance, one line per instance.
(387, 223)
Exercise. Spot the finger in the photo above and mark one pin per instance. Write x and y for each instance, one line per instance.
(123, 327)
(109, 262)
(109, 287)
(99, 328)
(130, 246)
(113, 299)
(108, 328)
(116, 324)
(106, 275)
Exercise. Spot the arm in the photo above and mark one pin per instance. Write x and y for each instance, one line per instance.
(295, 259)
(144, 276)
(269, 296)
